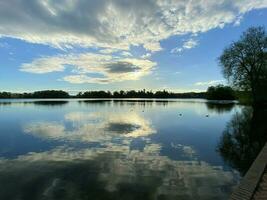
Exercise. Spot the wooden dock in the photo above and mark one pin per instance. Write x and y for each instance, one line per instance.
(254, 184)
(261, 191)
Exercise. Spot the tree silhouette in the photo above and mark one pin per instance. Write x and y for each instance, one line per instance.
(244, 63)
(103, 94)
(220, 92)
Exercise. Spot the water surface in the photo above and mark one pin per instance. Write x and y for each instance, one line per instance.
(118, 149)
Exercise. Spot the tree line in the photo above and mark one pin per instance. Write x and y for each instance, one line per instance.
(103, 94)
(139, 94)
(38, 94)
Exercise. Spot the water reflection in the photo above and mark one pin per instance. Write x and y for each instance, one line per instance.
(35, 102)
(115, 172)
(244, 137)
(96, 101)
(219, 107)
(113, 150)
(50, 103)
(92, 127)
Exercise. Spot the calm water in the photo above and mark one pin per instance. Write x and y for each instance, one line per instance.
(95, 149)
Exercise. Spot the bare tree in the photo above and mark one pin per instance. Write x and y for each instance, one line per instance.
(244, 63)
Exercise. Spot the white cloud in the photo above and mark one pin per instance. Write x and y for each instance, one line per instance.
(147, 55)
(92, 67)
(208, 83)
(108, 51)
(189, 44)
(44, 65)
(116, 23)
(126, 54)
(81, 78)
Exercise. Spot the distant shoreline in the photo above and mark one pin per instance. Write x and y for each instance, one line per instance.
(54, 94)
(40, 100)
(132, 94)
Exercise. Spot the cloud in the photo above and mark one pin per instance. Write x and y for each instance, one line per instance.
(116, 23)
(189, 44)
(108, 51)
(208, 83)
(92, 67)
(80, 79)
(126, 54)
(147, 55)
(121, 67)
(44, 65)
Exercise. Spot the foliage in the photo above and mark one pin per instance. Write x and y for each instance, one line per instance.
(94, 94)
(38, 94)
(138, 94)
(103, 94)
(244, 97)
(244, 63)
(220, 92)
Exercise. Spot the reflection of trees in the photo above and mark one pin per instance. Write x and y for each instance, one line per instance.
(243, 138)
(95, 101)
(138, 102)
(37, 103)
(219, 107)
(132, 102)
(50, 103)
(4, 103)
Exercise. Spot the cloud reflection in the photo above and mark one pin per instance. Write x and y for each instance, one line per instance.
(92, 127)
(112, 172)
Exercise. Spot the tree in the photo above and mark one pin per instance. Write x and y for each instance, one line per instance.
(244, 63)
(220, 92)
(49, 94)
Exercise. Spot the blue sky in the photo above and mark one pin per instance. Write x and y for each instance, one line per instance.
(111, 45)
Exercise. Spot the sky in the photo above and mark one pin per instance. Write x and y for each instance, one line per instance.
(79, 45)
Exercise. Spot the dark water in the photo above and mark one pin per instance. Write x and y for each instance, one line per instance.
(114, 149)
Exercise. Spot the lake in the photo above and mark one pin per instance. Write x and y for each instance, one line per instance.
(125, 149)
